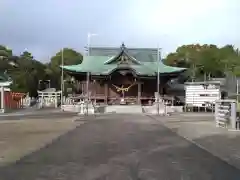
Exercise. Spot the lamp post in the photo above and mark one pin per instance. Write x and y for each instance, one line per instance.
(158, 76)
(88, 73)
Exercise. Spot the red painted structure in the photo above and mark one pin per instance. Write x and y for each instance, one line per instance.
(12, 100)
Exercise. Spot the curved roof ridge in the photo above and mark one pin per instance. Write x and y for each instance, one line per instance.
(123, 50)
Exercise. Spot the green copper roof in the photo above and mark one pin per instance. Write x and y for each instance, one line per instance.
(105, 65)
(96, 65)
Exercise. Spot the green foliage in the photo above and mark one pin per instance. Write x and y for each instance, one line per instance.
(206, 60)
(53, 70)
(26, 72)
(5, 53)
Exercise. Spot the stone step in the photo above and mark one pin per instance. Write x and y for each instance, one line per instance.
(128, 109)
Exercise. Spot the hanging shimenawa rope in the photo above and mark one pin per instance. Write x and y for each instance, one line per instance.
(122, 89)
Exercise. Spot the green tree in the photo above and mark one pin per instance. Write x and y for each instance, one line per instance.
(210, 63)
(53, 71)
(5, 58)
(27, 74)
(206, 60)
(186, 56)
(5, 52)
(230, 59)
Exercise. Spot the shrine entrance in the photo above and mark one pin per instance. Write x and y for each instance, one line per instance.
(49, 98)
(124, 85)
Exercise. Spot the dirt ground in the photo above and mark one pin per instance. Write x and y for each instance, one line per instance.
(21, 137)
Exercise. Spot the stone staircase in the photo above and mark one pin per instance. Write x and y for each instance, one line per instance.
(124, 109)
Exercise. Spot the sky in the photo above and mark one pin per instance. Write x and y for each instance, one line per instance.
(43, 27)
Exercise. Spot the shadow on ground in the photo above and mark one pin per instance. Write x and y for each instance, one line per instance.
(227, 147)
(118, 150)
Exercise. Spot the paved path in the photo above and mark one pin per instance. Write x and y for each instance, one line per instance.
(201, 129)
(120, 147)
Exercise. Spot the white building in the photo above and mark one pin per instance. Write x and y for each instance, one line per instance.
(201, 94)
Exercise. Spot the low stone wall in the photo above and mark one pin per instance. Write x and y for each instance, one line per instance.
(79, 108)
(71, 108)
(162, 109)
(178, 108)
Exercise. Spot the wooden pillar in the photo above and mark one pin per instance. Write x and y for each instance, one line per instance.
(139, 92)
(106, 92)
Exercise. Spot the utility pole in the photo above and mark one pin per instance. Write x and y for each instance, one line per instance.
(62, 81)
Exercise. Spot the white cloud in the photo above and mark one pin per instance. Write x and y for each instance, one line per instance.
(174, 16)
(44, 26)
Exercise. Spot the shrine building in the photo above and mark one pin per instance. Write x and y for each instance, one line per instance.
(122, 74)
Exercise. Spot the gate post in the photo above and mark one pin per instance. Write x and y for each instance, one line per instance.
(55, 99)
(233, 115)
(216, 110)
(2, 100)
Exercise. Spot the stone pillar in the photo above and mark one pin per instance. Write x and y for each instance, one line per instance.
(105, 92)
(139, 93)
(56, 98)
(42, 99)
(233, 114)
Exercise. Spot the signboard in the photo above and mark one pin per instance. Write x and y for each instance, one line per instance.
(200, 94)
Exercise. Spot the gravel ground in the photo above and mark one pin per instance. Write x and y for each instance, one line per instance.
(119, 147)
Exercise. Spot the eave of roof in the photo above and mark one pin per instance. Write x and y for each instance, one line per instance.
(105, 65)
(108, 69)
